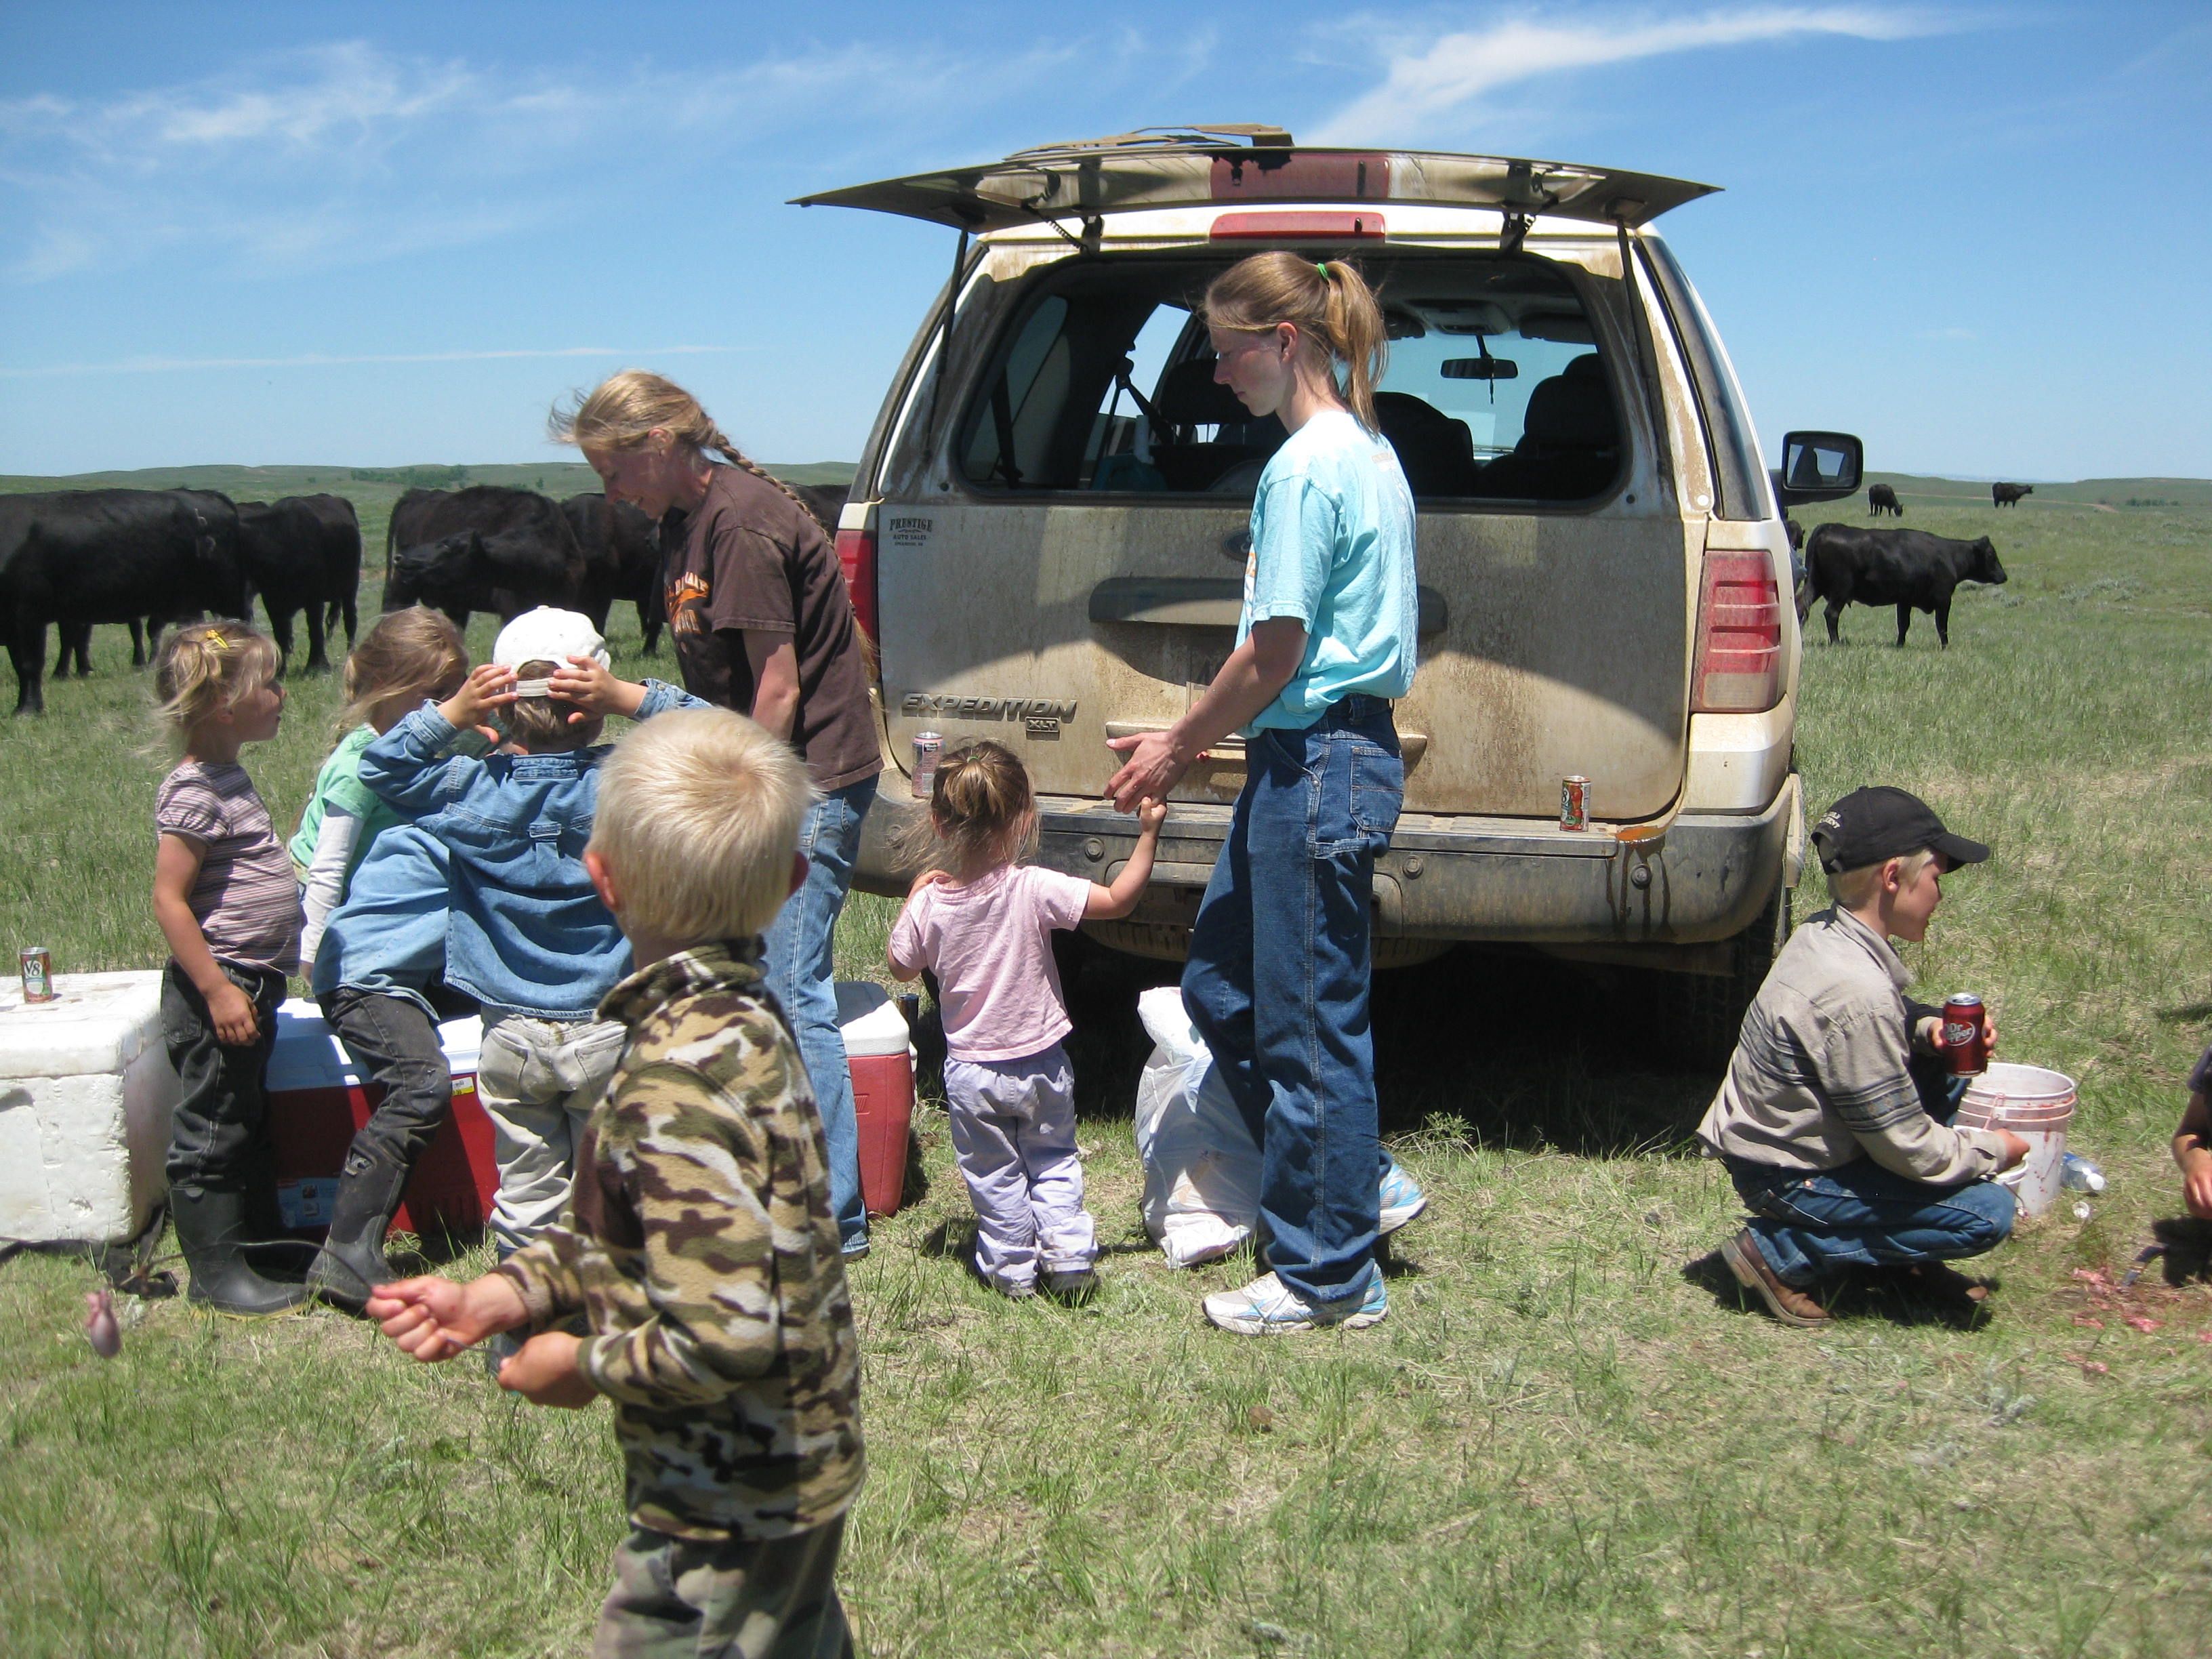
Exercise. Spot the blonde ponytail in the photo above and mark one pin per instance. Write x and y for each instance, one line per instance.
(1328, 300)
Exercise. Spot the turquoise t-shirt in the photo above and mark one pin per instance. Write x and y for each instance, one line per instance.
(339, 783)
(1333, 545)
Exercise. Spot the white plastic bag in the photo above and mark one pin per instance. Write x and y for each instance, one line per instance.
(1201, 1168)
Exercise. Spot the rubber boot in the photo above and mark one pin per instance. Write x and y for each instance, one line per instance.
(352, 1262)
(211, 1232)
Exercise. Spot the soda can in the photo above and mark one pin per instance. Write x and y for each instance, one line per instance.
(1574, 803)
(38, 974)
(1965, 1034)
(927, 746)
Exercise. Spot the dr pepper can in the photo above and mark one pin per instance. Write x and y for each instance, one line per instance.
(1965, 1034)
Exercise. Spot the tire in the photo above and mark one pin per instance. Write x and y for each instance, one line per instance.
(1710, 1007)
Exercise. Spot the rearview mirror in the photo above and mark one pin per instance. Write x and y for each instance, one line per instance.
(1818, 466)
(1480, 369)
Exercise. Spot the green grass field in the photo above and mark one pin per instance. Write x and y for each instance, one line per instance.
(1569, 1439)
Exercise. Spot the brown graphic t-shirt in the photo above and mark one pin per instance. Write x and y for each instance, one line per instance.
(752, 560)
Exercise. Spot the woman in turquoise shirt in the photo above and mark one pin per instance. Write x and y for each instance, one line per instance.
(1276, 983)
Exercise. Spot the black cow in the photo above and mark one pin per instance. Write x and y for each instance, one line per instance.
(78, 558)
(507, 573)
(2009, 495)
(824, 502)
(1910, 569)
(302, 554)
(1880, 498)
(621, 560)
(485, 548)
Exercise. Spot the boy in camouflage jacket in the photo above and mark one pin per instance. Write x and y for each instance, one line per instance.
(699, 1241)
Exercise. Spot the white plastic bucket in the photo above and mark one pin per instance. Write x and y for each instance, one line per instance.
(2035, 1104)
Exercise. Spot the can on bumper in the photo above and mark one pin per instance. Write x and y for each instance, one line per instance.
(1574, 803)
(927, 746)
(38, 964)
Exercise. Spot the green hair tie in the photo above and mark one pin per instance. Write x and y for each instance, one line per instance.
(1322, 265)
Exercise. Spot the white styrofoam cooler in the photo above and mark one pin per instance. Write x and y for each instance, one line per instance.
(86, 1094)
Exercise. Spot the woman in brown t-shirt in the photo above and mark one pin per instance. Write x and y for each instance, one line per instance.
(762, 623)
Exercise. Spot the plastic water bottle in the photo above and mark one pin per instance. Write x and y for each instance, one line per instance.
(2077, 1174)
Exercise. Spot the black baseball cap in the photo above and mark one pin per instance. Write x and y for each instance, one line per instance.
(1877, 823)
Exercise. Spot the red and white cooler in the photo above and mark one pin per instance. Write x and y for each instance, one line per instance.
(880, 1055)
(318, 1099)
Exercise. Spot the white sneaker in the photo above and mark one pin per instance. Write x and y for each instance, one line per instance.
(1267, 1306)
(1401, 1200)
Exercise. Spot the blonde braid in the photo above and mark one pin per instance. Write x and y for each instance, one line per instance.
(719, 440)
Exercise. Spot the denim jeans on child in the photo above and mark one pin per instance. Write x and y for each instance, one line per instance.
(219, 1132)
(1276, 983)
(802, 972)
(538, 1080)
(1013, 1134)
(396, 1045)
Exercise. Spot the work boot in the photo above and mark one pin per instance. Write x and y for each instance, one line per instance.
(1942, 1283)
(1785, 1301)
(352, 1262)
(211, 1232)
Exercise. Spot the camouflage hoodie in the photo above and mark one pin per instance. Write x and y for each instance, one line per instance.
(699, 1242)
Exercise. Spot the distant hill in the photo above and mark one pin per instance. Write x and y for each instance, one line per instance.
(2119, 493)
(266, 483)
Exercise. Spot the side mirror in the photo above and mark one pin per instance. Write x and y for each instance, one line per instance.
(1480, 369)
(1818, 466)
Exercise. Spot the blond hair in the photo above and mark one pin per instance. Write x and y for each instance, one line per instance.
(698, 818)
(405, 657)
(625, 410)
(980, 813)
(206, 666)
(1329, 303)
(1855, 889)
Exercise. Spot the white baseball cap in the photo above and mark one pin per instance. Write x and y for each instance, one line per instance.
(547, 634)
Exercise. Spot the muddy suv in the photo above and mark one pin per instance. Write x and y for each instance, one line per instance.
(1047, 530)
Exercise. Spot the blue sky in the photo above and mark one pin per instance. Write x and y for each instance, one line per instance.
(375, 235)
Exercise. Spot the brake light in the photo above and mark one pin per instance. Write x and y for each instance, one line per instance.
(1290, 226)
(1739, 656)
(856, 557)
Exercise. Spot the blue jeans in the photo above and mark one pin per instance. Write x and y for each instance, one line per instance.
(1276, 984)
(802, 972)
(1810, 1226)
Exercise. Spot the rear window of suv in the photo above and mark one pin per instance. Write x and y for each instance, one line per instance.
(1103, 380)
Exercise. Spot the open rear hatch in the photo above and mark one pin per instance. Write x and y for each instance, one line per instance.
(1200, 167)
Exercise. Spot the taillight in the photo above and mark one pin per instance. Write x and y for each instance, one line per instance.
(856, 557)
(1739, 659)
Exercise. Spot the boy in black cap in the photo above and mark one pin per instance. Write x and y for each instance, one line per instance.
(1845, 1159)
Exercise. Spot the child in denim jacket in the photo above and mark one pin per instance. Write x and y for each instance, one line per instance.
(525, 935)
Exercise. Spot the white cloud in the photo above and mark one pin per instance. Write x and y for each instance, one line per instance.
(328, 360)
(1433, 81)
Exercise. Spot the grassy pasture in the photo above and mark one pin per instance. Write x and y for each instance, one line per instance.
(1568, 1439)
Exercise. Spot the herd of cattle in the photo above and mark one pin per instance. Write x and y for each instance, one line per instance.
(148, 557)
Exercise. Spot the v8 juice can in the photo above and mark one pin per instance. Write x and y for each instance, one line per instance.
(38, 974)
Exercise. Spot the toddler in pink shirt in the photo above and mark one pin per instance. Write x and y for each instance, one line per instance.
(982, 923)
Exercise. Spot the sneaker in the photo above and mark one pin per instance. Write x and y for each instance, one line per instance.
(1073, 1286)
(1267, 1306)
(1785, 1301)
(1403, 1200)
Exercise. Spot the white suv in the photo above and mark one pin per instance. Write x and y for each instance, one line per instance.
(1046, 535)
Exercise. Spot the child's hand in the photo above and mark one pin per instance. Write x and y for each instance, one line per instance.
(1151, 814)
(434, 1319)
(593, 687)
(232, 1010)
(490, 687)
(2197, 1190)
(928, 879)
(544, 1371)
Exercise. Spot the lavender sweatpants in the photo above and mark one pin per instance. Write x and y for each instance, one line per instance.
(1013, 1131)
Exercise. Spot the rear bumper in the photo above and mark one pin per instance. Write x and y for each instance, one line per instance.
(1446, 878)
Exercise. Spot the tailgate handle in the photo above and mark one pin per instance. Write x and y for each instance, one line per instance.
(1412, 746)
(1209, 602)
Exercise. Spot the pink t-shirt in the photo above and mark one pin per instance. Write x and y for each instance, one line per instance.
(988, 942)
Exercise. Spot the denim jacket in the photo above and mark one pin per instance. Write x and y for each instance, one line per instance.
(389, 933)
(525, 932)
